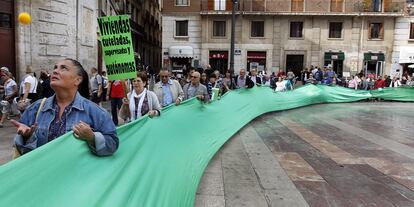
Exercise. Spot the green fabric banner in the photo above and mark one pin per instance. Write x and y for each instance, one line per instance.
(116, 42)
(160, 160)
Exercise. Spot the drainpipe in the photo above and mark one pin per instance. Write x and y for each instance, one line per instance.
(360, 44)
(77, 30)
(233, 31)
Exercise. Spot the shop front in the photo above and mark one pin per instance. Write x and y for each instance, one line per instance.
(256, 60)
(374, 64)
(218, 60)
(180, 58)
(7, 36)
(335, 60)
(406, 61)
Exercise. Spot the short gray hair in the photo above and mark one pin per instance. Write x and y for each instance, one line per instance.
(164, 70)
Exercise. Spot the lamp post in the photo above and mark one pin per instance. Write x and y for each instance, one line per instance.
(233, 28)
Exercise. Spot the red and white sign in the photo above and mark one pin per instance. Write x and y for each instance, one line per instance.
(219, 55)
(256, 55)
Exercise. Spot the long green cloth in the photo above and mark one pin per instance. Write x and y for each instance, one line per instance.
(161, 160)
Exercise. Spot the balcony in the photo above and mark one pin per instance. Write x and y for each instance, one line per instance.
(137, 28)
(217, 6)
(301, 7)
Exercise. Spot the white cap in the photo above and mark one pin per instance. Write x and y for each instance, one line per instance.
(5, 69)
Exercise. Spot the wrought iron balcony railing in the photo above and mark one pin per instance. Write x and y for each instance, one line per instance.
(301, 6)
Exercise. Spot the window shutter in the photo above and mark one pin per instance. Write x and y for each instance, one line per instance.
(387, 5)
(229, 5)
(337, 5)
(297, 5)
(211, 5)
(411, 30)
(369, 31)
(381, 31)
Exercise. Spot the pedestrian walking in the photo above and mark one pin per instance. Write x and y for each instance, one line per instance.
(116, 92)
(10, 92)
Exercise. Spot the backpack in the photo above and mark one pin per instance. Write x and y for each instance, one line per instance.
(104, 82)
(39, 88)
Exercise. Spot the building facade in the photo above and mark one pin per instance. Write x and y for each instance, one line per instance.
(59, 29)
(403, 50)
(146, 29)
(68, 29)
(273, 35)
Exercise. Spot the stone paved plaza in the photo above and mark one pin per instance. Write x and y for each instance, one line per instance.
(358, 154)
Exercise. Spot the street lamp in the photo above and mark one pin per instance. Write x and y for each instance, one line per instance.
(233, 26)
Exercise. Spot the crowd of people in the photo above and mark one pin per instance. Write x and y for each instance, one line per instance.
(69, 99)
(360, 81)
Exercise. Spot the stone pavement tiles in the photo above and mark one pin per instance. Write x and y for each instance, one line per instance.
(325, 155)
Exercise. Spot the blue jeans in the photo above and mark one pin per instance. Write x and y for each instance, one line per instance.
(116, 104)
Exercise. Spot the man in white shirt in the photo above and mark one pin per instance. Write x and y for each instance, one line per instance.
(28, 86)
(256, 79)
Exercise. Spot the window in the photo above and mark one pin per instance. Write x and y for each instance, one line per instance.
(181, 2)
(133, 13)
(219, 28)
(377, 5)
(181, 28)
(411, 30)
(335, 29)
(296, 29)
(5, 20)
(297, 5)
(337, 5)
(220, 5)
(376, 31)
(257, 29)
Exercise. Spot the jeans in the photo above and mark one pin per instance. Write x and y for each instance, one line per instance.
(116, 104)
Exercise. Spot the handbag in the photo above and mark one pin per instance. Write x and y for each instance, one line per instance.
(16, 152)
(124, 112)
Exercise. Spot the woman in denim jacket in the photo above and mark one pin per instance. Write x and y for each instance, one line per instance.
(69, 109)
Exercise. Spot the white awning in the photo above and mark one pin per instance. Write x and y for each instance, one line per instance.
(406, 55)
(181, 52)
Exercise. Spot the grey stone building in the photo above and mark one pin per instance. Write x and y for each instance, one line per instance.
(59, 29)
(403, 49)
(272, 35)
(145, 19)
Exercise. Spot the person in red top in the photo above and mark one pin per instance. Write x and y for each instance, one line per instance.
(380, 83)
(281, 73)
(116, 93)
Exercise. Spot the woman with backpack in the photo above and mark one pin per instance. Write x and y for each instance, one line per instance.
(28, 90)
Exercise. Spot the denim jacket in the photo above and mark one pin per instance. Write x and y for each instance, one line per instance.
(106, 140)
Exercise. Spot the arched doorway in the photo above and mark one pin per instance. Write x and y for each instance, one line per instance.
(7, 53)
